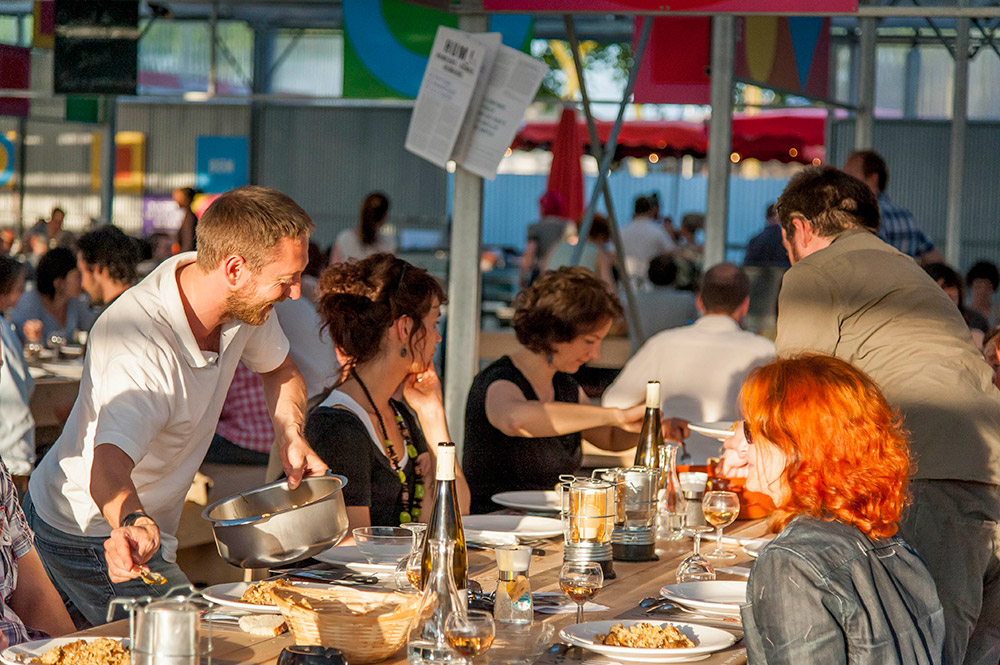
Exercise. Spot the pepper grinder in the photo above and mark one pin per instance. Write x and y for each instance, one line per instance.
(512, 603)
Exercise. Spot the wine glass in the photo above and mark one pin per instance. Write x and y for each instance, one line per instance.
(695, 568)
(409, 569)
(469, 633)
(721, 509)
(581, 580)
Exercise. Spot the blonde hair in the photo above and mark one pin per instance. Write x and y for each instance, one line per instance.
(249, 221)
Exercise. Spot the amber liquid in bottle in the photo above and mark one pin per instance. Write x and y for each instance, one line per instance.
(446, 519)
(651, 437)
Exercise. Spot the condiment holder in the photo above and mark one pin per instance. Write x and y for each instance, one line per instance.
(167, 630)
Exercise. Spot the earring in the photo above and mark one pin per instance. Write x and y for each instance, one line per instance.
(548, 358)
(402, 352)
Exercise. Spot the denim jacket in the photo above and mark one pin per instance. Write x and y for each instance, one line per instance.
(823, 593)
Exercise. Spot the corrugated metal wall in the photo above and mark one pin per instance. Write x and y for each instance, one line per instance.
(510, 203)
(171, 131)
(917, 154)
(328, 159)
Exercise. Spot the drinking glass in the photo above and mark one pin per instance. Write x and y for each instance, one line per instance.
(408, 570)
(721, 510)
(469, 633)
(695, 568)
(581, 580)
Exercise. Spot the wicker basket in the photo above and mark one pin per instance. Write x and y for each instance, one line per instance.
(367, 626)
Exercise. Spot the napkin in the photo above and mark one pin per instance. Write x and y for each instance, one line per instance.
(566, 606)
(491, 538)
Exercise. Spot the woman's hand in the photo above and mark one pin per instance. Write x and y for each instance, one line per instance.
(423, 391)
(630, 419)
(425, 466)
(32, 329)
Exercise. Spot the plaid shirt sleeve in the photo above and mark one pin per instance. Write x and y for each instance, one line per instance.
(245, 420)
(16, 540)
(899, 229)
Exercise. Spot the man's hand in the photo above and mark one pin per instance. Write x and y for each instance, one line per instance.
(298, 459)
(32, 330)
(734, 460)
(129, 547)
(675, 429)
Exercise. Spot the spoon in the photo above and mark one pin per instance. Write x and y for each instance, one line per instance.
(151, 577)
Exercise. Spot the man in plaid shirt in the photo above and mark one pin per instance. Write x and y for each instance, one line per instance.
(898, 227)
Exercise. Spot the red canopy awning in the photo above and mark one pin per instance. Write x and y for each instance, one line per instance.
(787, 136)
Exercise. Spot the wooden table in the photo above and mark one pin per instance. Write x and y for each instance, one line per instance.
(633, 582)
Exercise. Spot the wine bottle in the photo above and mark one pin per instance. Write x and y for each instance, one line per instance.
(651, 437)
(446, 519)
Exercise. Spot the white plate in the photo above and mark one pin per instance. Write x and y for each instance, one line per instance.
(229, 595)
(707, 641)
(753, 548)
(720, 430)
(35, 649)
(67, 370)
(525, 526)
(541, 500)
(718, 596)
(351, 558)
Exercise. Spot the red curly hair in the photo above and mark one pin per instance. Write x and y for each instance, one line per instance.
(848, 455)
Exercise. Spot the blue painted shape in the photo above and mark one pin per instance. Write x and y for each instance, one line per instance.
(805, 34)
(8, 172)
(392, 63)
(221, 163)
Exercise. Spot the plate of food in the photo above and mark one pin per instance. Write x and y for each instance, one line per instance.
(252, 596)
(721, 429)
(645, 641)
(716, 596)
(540, 500)
(105, 650)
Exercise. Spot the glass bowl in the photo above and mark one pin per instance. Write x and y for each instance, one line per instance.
(520, 644)
(383, 544)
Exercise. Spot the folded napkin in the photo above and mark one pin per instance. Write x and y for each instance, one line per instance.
(565, 606)
(491, 538)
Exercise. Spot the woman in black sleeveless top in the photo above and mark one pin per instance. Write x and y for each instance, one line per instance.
(526, 415)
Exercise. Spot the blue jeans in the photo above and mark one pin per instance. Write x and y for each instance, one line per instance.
(77, 568)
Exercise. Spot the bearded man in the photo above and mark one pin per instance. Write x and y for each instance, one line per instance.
(106, 500)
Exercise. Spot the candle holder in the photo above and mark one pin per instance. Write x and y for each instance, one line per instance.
(637, 493)
(589, 522)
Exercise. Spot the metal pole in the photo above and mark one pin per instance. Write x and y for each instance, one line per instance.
(864, 119)
(720, 130)
(22, 133)
(213, 55)
(108, 160)
(635, 333)
(956, 156)
(464, 289)
(611, 147)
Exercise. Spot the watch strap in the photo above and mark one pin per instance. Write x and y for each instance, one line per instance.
(132, 517)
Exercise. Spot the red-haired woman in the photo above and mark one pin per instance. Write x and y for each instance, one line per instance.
(836, 585)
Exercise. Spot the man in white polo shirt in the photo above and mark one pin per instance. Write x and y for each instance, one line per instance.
(106, 500)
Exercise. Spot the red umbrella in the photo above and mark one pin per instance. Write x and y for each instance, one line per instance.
(566, 176)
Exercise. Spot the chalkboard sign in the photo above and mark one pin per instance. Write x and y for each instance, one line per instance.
(96, 47)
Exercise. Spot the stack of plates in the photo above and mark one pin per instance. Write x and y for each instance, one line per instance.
(722, 598)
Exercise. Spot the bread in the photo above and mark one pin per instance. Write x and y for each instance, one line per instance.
(264, 625)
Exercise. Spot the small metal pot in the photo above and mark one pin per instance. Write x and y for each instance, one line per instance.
(272, 525)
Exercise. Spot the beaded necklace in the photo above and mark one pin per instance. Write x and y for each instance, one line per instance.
(411, 510)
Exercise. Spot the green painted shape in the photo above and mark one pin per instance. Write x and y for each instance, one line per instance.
(83, 109)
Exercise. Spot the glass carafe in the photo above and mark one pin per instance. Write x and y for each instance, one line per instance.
(427, 643)
(407, 575)
(673, 505)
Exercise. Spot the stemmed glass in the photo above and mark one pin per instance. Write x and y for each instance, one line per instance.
(581, 580)
(695, 568)
(721, 510)
(409, 569)
(469, 633)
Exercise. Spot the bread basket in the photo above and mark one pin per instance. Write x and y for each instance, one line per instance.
(368, 626)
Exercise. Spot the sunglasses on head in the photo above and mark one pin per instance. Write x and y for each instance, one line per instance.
(746, 433)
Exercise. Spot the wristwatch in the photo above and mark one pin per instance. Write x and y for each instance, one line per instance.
(131, 518)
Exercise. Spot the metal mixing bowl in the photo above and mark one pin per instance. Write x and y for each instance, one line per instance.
(272, 525)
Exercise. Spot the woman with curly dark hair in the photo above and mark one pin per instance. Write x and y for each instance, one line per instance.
(525, 415)
(382, 314)
(836, 585)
